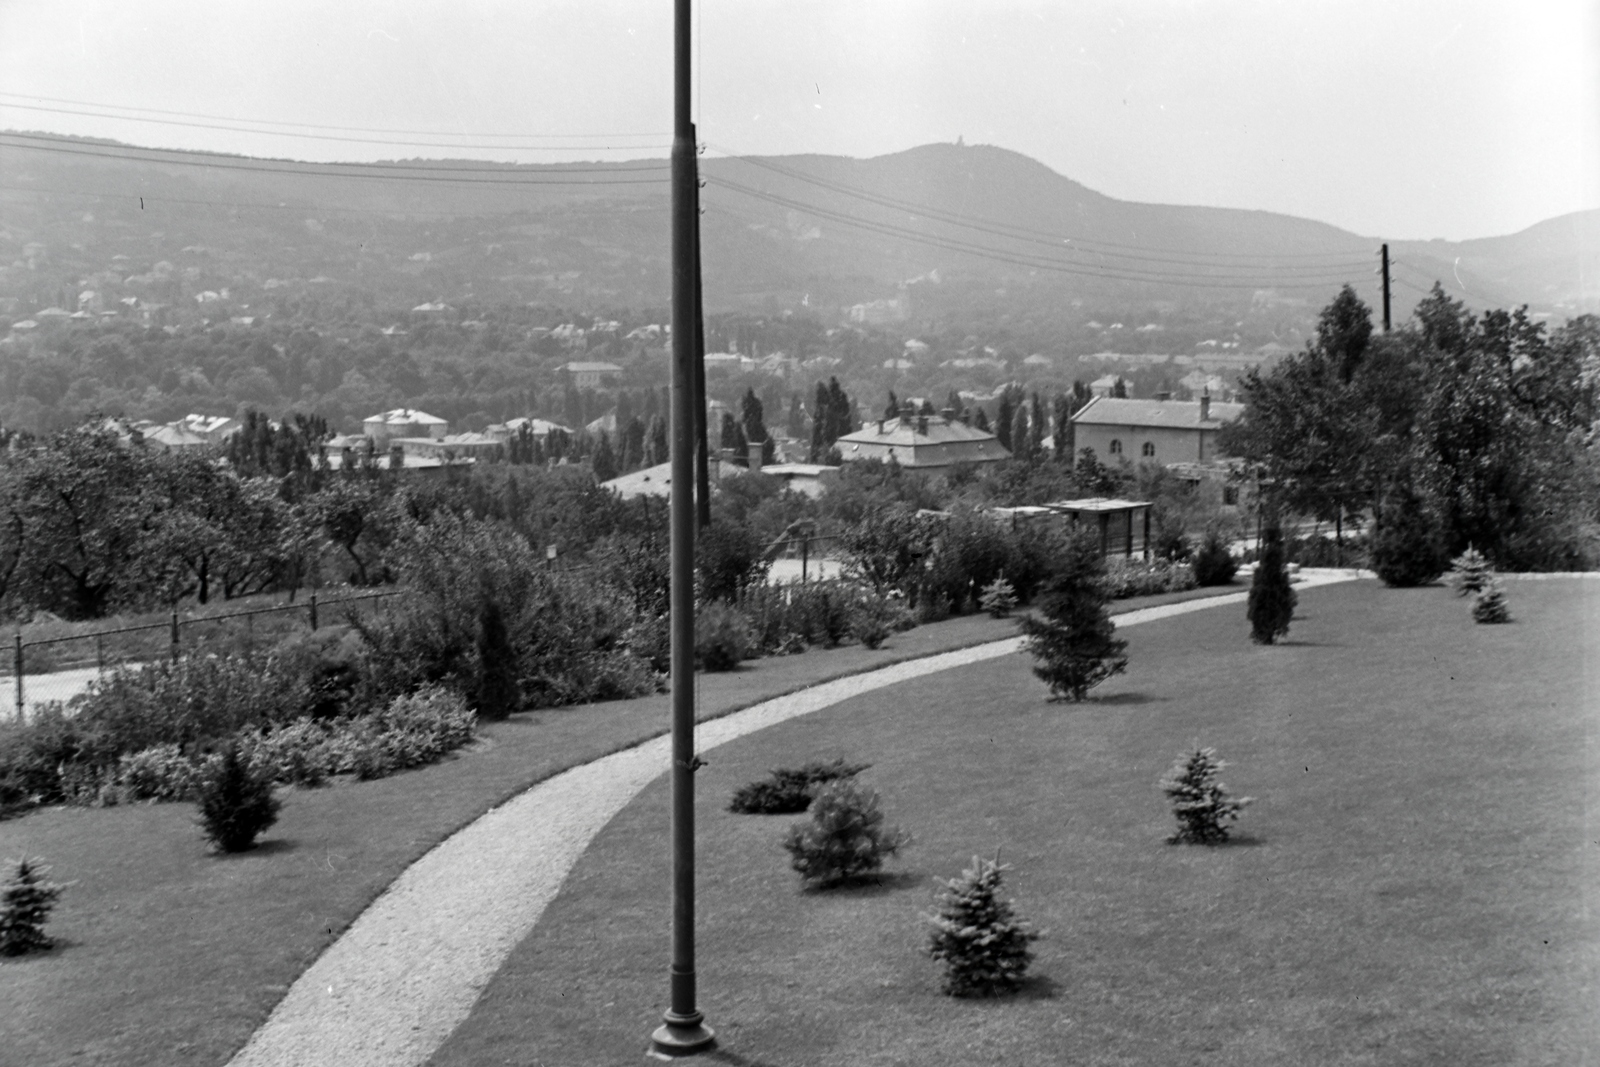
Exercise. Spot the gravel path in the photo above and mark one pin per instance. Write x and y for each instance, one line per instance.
(410, 968)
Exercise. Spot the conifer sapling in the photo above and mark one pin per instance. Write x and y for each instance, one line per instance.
(1470, 572)
(1074, 638)
(236, 802)
(998, 598)
(984, 947)
(846, 837)
(1201, 803)
(1490, 604)
(25, 904)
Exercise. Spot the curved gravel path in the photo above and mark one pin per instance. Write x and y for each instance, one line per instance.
(410, 968)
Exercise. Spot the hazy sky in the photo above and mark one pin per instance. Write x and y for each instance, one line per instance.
(1392, 118)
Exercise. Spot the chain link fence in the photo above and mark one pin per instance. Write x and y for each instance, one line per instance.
(49, 669)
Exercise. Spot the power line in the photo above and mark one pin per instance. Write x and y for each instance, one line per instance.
(369, 171)
(338, 138)
(1023, 259)
(320, 126)
(1010, 230)
(315, 209)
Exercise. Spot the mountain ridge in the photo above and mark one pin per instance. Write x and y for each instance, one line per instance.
(778, 231)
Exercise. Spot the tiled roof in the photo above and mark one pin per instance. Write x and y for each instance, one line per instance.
(903, 433)
(1173, 414)
(406, 416)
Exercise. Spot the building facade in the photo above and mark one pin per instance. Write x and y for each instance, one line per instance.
(1152, 431)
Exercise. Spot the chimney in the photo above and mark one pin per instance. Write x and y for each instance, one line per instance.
(880, 426)
(1163, 396)
(1205, 404)
(947, 414)
(922, 425)
(755, 448)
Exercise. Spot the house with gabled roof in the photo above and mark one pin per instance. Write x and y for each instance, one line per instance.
(1152, 431)
(403, 422)
(922, 442)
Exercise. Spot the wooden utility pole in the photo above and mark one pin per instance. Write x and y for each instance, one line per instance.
(683, 1029)
(1385, 254)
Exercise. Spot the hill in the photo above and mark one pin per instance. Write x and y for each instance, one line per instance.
(941, 230)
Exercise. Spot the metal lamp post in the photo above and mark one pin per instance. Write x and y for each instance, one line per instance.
(683, 1030)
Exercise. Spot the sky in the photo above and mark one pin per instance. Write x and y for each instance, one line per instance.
(1396, 119)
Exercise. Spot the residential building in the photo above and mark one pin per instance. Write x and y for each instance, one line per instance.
(1152, 431)
(922, 442)
(586, 375)
(539, 428)
(403, 422)
(214, 428)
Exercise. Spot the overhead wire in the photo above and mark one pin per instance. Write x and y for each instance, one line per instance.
(324, 126)
(344, 139)
(1023, 259)
(1014, 231)
(369, 171)
(315, 209)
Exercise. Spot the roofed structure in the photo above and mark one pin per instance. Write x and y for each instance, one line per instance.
(922, 442)
(1152, 431)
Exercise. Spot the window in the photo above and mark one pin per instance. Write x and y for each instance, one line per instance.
(1149, 450)
(1230, 494)
(1116, 446)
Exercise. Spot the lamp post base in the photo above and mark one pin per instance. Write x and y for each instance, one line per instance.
(681, 1035)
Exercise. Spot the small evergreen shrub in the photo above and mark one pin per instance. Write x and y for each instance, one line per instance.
(1213, 564)
(1074, 638)
(846, 837)
(984, 948)
(722, 637)
(1272, 601)
(1406, 544)
(998, 598)
(1470, 572)
(788, 790)
(1490, 604)
(1201, 803)
(25, 904)
(236, 801)
(873, 618)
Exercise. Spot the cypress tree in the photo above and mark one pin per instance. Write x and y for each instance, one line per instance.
(498, 693)
(1271, 600)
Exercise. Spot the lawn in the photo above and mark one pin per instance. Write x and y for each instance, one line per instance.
(1413, 885)
(171, 955)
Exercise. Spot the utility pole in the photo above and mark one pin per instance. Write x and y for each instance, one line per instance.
(1385, 254)
(683, 1029)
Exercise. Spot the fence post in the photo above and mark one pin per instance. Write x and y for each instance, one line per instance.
(18, 676)
(313, 610)
(100, 652)
(174, 635)
(805, 557)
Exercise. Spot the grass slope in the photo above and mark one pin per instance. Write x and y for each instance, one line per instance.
(1411, 887)
(170, 955)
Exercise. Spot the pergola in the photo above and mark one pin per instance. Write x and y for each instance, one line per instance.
(1124, 525)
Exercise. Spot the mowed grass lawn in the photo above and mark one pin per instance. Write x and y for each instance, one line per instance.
(1417, 882)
